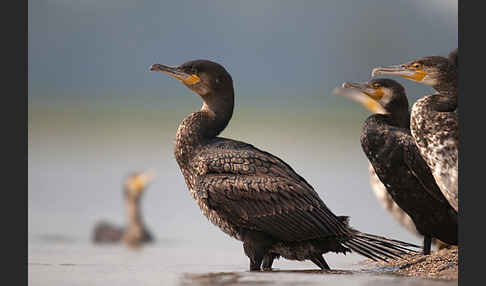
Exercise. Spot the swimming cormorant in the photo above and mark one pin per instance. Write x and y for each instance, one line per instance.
(389, 146)
(434, 118)
(135, 233)
(380, 191)
(251, 194)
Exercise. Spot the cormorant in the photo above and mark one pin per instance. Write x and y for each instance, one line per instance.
(251, 194)
(135, 233)
(391, 149)
(377, 186)
(434, 119)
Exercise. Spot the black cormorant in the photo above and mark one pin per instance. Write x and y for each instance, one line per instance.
(381, 194)
(135, 233)
(389, 146)
(252, 195)
(434, 118)
(380, 191)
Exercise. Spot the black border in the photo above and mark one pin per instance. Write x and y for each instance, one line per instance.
(472, 104)
(472, 155)
(14, 135)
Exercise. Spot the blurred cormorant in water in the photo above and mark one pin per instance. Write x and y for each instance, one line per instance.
(135, 233)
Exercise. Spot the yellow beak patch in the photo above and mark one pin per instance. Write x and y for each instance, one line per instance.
(417, 76)
(190, 80)
(374, 106)
(377, 95)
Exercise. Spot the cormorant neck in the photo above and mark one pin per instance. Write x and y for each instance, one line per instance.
(133, 213)
(401, 118)
(217, 111)
(446, 98)
(204, 125)
(447, 85)
(398, 111)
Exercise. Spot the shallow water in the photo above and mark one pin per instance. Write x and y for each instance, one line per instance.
(170, 263)
(78, 155)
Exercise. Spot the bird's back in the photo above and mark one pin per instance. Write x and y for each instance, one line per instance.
(437, 137)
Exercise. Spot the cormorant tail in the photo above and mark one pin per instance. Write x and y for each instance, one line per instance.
(377, 247)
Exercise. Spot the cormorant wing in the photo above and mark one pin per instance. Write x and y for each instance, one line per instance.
(256, 190)
(417, 165)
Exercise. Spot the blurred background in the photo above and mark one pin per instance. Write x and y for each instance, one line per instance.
(96, 113)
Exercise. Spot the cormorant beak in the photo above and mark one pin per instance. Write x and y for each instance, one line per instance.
(188, 79)
(374, 93)
(400, 70)
(363, 99)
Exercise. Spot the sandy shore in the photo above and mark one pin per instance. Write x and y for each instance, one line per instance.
(442, 264)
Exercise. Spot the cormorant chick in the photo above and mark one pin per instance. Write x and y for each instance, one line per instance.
(434, 119)
(389, 146)
(135, 233)
(251, 194)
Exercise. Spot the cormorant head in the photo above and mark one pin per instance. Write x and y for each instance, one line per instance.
(135, 183)
(431, 71)
(201, 76)
(363, 99)
(387, 92)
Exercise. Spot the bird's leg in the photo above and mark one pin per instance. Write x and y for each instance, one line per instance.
(255, 245)
(319, 261)
(268, 261)
(427, 244)
(255, 254)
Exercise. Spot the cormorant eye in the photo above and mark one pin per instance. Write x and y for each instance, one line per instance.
(416, 65)
(375, 85)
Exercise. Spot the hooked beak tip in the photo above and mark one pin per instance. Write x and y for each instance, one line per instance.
(346, 85)
(154, 67)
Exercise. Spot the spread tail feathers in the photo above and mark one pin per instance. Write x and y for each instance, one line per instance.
(378, 247)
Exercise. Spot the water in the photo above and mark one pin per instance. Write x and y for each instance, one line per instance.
(79, 152)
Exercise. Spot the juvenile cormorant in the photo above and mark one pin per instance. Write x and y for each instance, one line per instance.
(380, 191)
(389, 146)
(252, 195)
(434, 118)
(135, 233)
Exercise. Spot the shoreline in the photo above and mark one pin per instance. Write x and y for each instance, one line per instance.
(441, 265)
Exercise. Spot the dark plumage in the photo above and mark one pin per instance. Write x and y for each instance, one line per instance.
(391, 149)
(135, 233)
(252, 195)
(380, 191)
(453, 57)
(434, 119)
